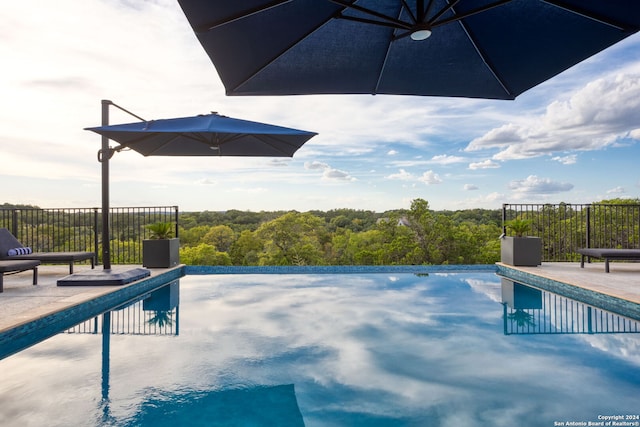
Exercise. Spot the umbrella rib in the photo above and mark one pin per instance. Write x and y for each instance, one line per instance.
(428, 10)
(486, 62)
(347, 5)
(458, 17)
(240, 15)
(134, 141)
(444, 10)
(590, 15)
(386, 57)
(374, 22)
(419, 9)
(163, 145)
(418, 16)
(265, 140)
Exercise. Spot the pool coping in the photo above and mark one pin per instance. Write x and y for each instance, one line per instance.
(336, 269)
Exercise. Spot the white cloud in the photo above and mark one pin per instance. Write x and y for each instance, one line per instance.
(486, 164)
(279, 162)
(470, 187)
(315, 165)
(206, 181)
(337, 175)
(596, 116)
(329, 173)
(616, 190)
(402, 175)
(535, 185)
(566, 160)
(502, 136)
(430, 177)
(392, 152)
(444, 159)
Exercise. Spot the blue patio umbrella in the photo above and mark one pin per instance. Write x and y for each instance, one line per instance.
(206, 135)
(494, 49)
(203, 135)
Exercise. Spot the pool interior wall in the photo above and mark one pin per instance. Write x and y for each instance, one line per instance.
(382, 349)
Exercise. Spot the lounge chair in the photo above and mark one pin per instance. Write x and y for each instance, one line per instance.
(16, 266)
(12, 249)
(608, 254)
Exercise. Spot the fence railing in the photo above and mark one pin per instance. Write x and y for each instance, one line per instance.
(561, 315)
(563, 228)
(566, 227)
(55, 230)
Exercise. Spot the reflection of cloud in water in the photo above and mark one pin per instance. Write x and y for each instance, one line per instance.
(360, 349)
(490, 288)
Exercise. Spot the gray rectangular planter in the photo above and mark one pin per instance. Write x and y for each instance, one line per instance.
(521, 251)
(161, 253)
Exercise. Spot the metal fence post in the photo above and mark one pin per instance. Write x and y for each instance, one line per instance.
(588, 227)
(504, 219)
(175, 208)
(96, 235)
(14, 222)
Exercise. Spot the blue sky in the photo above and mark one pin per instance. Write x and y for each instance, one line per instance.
(572, 139)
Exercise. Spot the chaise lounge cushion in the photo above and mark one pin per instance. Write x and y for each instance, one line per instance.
(8, 241)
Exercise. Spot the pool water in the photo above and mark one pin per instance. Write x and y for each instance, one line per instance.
(326, 350)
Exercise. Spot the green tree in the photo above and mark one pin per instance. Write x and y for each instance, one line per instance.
(203, 254)
(193, 236)
(246, 249)
(293, 239)
(220, 236)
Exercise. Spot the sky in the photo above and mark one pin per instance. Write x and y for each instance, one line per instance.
(572, 139)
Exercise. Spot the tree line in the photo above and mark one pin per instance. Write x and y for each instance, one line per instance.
(417, 235)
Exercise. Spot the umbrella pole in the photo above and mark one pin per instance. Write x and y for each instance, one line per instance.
(104, 155)
(104, 159)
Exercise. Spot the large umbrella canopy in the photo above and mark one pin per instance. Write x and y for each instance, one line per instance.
(493, 49)
(206, 135)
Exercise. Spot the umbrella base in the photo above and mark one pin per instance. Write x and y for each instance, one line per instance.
(104, 277)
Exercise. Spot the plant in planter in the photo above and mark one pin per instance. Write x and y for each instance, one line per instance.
(161, 250)
(519, 227)
(521, 250)
(161, 230)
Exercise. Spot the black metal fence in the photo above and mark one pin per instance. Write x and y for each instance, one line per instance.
(566, 227)
(53, 230)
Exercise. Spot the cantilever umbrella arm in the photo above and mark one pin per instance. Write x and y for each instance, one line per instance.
(106, 155)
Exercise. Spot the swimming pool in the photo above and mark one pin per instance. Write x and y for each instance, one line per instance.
(331, 350)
